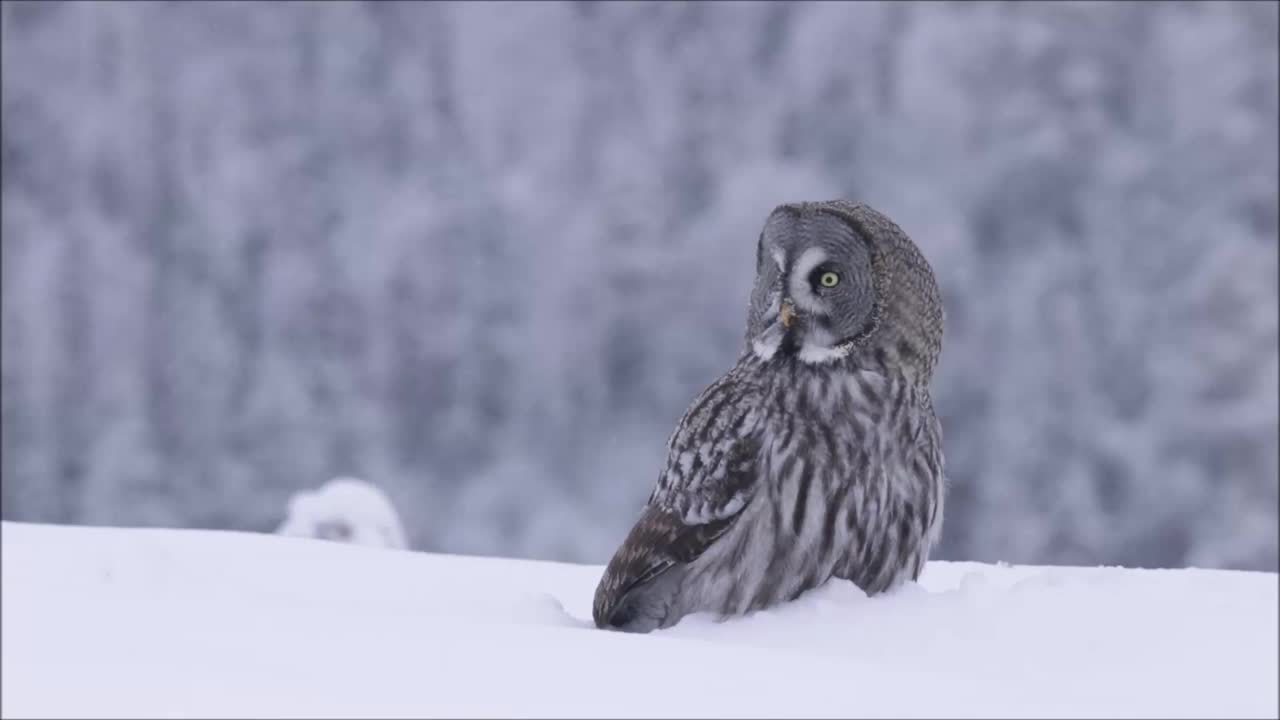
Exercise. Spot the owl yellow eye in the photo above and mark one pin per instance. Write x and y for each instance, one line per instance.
(828, 279)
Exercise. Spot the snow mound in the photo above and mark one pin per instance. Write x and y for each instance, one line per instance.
(148, 623)
(346, 510)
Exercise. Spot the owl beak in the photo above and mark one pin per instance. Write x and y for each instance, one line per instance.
(787, 314)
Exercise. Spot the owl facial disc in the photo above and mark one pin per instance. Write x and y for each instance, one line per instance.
(817, 296)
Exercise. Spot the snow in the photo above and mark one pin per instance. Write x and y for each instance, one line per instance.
(156, 622)
(345, 509)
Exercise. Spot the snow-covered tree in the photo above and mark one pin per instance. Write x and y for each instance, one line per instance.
(487, 252)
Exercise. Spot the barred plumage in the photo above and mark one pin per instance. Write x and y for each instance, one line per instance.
(818, 454)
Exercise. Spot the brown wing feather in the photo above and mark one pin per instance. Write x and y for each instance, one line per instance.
(659, 541)
(664, 537)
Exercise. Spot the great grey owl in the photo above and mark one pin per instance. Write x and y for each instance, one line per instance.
(818, 454)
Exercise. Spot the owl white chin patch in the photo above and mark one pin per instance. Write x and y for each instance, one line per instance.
(817, 354)
(766, 346)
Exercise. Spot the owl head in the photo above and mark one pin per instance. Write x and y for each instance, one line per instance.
(837, 281)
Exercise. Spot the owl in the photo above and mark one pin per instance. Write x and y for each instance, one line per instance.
(818, 454)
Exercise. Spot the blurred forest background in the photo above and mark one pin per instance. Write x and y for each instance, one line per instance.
(483, 255)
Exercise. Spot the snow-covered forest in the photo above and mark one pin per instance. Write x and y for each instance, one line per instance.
(484, 254)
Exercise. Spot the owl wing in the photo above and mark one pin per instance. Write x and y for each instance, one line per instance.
(710, 477)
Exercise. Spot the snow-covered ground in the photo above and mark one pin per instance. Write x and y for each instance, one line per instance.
(145, 623)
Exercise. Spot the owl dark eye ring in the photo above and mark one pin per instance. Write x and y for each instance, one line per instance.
(825, 278)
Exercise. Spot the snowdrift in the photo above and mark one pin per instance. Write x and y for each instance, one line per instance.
(146, 623)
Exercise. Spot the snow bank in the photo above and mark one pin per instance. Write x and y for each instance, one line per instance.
(345, 509)
(146, 623)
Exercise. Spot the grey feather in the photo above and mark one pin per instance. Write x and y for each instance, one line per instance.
(818, 454)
